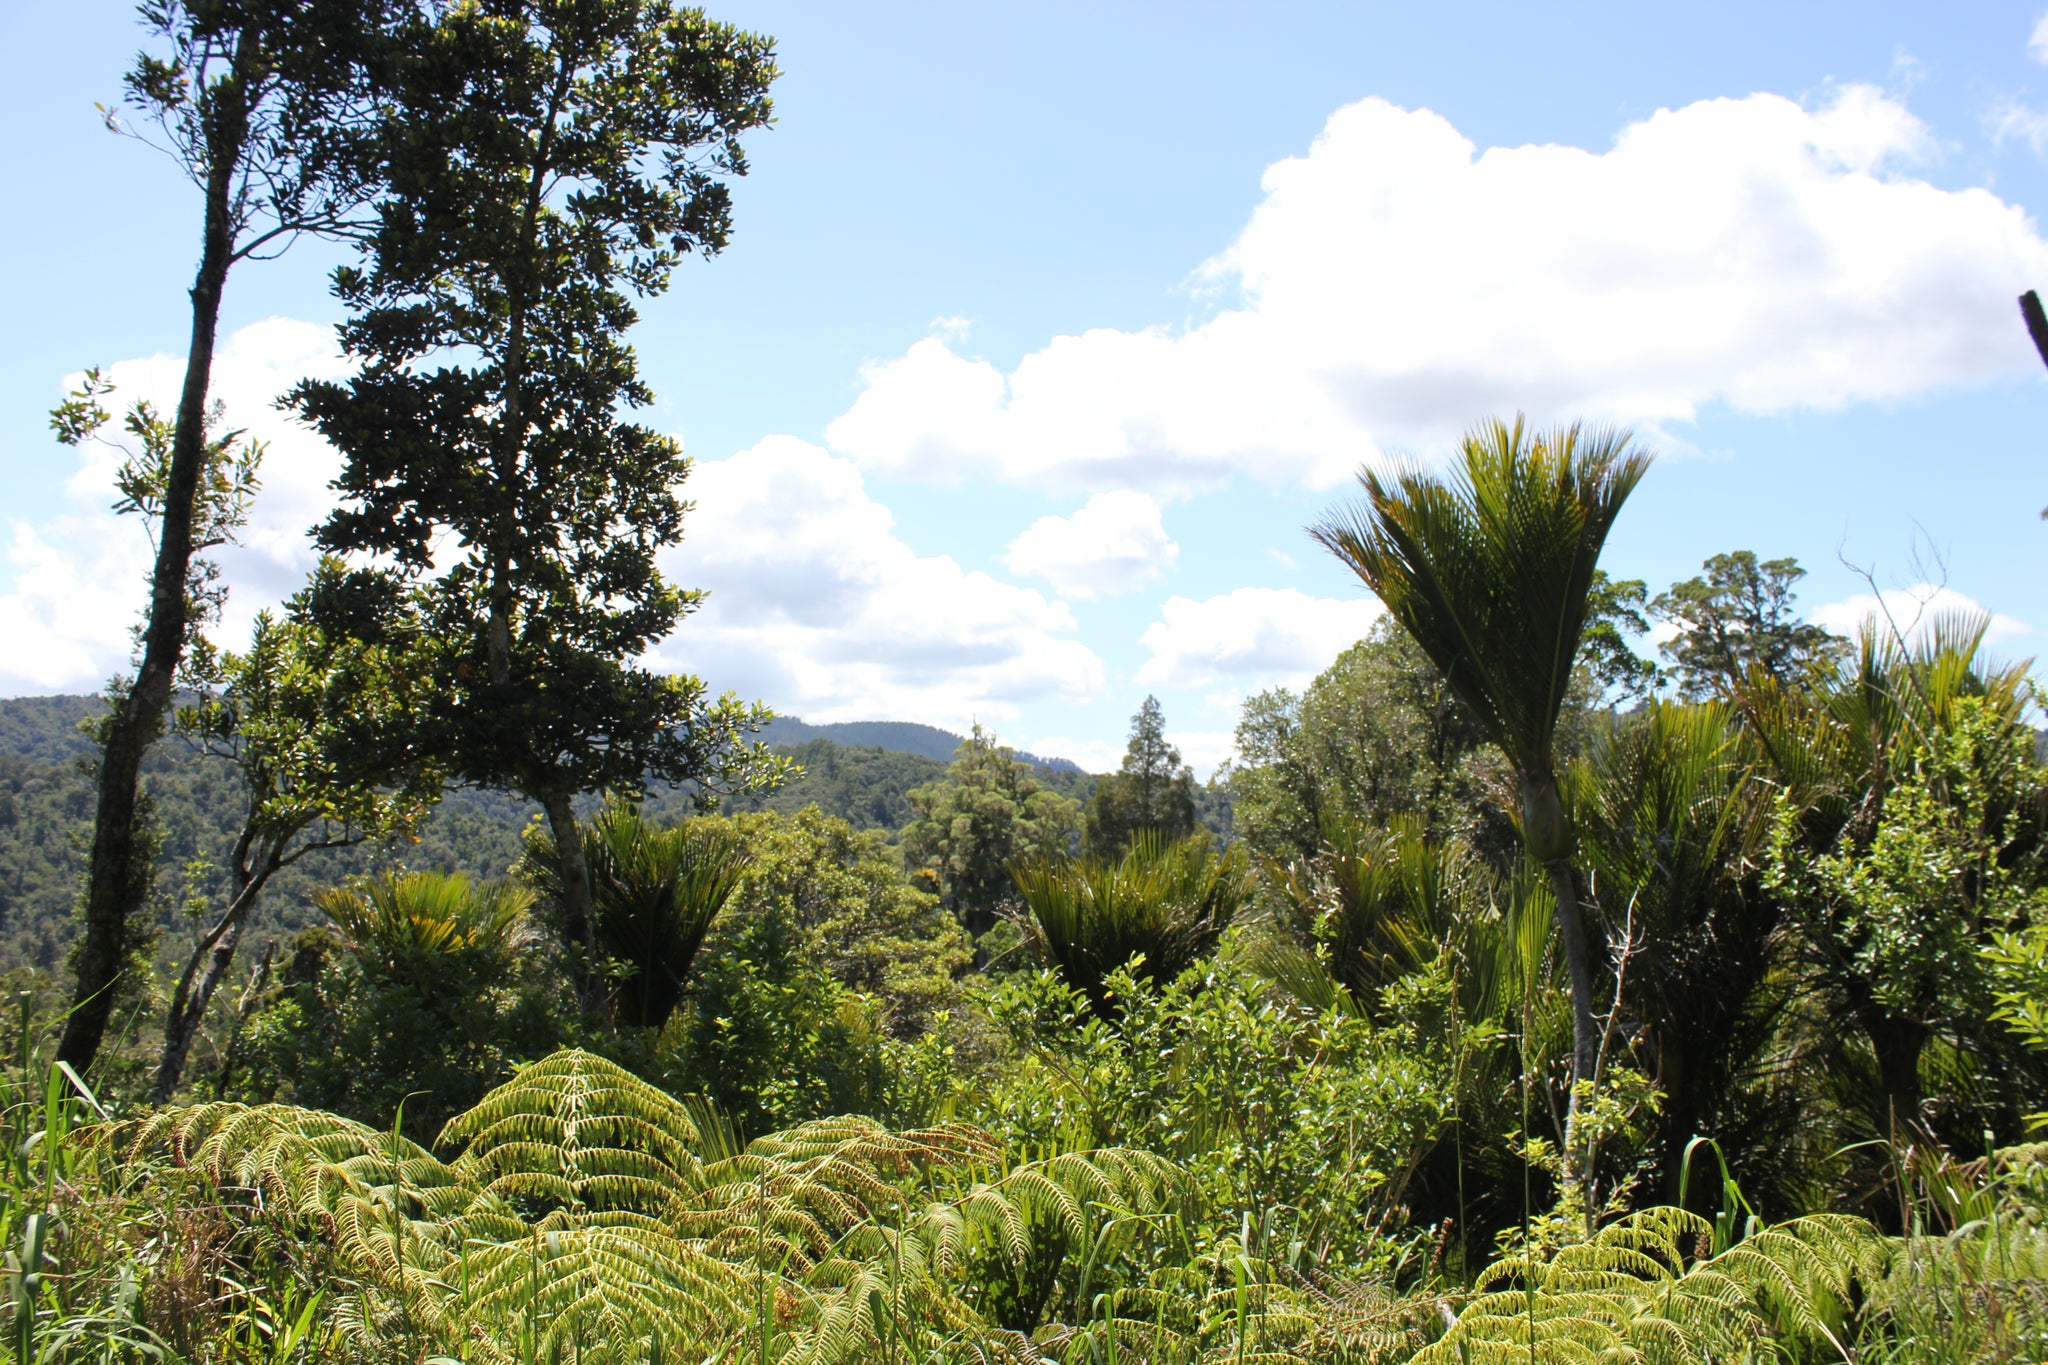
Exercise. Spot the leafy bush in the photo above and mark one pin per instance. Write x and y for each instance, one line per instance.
(1309, 1123)
(427, 998)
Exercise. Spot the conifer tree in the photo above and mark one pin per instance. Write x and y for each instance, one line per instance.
(1152, 790)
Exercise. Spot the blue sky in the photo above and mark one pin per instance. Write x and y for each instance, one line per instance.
(1045, 329)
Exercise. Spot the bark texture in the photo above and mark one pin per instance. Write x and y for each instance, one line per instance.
(116, 881)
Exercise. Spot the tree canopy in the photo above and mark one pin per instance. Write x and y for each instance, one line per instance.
(1151, 790)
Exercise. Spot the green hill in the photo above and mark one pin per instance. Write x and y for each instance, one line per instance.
(46, 816)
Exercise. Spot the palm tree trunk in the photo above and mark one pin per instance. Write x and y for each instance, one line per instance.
(1578, 958)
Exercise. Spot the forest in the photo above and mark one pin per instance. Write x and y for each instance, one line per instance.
(426, 979)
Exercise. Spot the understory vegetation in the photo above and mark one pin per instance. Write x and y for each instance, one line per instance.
(444, 983)
(1299, 1093)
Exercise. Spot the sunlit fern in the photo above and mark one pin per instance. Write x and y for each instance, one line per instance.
(579, 1218)
(1639, 1291)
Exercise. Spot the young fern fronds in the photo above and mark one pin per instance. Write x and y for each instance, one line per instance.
(580, 1223)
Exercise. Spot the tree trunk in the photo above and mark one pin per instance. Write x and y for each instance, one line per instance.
(208, 967)
(188, 1009)
(1578, 958)
(258, 983)
(1897, 1042)
(1679, 1120)
(579, 917)
(115, 884)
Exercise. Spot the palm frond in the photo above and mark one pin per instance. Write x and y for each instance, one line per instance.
(1164, 901)
(1490, 572)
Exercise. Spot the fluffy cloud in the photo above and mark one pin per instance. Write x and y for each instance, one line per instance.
(2037, 43)
(1265, 636)
(1395, 282)
(1115, 544)
(80, 580)
(817, 607)
(1914, 611)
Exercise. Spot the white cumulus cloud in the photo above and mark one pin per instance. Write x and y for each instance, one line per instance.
(817, 607)
(1913, 612)
(1396, 282)
(1116, 543)
(1261, 636)
(80, 580)
(2037, 42)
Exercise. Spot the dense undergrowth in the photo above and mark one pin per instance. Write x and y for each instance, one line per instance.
(578, 1213)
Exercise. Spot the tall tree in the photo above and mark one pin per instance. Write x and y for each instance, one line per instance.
(265, 105)
(986, 815)
(1615, 610)
(1152, 790)
(319, 727)
(1738, 616)
(1492, 574)
(552, 161)
(1377, 735)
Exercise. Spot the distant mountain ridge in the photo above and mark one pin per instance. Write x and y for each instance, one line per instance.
(862, 773)
(897, 736)
(45, 730)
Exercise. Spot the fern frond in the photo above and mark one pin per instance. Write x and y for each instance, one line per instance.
(1631, 1293)
(578, 1129)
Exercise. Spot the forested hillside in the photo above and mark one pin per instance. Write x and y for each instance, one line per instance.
(46, 812)
(441, 974)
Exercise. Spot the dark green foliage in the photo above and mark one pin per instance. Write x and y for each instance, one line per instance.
(1908, 842)
(201, 801)
(655, 892)
(48, 732)
(1739, 616)
(45, 813)
(868, 788)
(426, 996)
(550, 164)
(1377, 735)
(1152, 790)
(989, 812)
(1614, 613)
(1673, 821)
(859, 921)
(1383, 903)
(1158, 907)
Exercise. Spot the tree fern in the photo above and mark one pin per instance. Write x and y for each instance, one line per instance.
(1635, 1292)
(580, 1132)
(580, 1220)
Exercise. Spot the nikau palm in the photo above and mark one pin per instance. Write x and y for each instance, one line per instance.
(1490, 573)
(655, 893)
(1165, 901)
